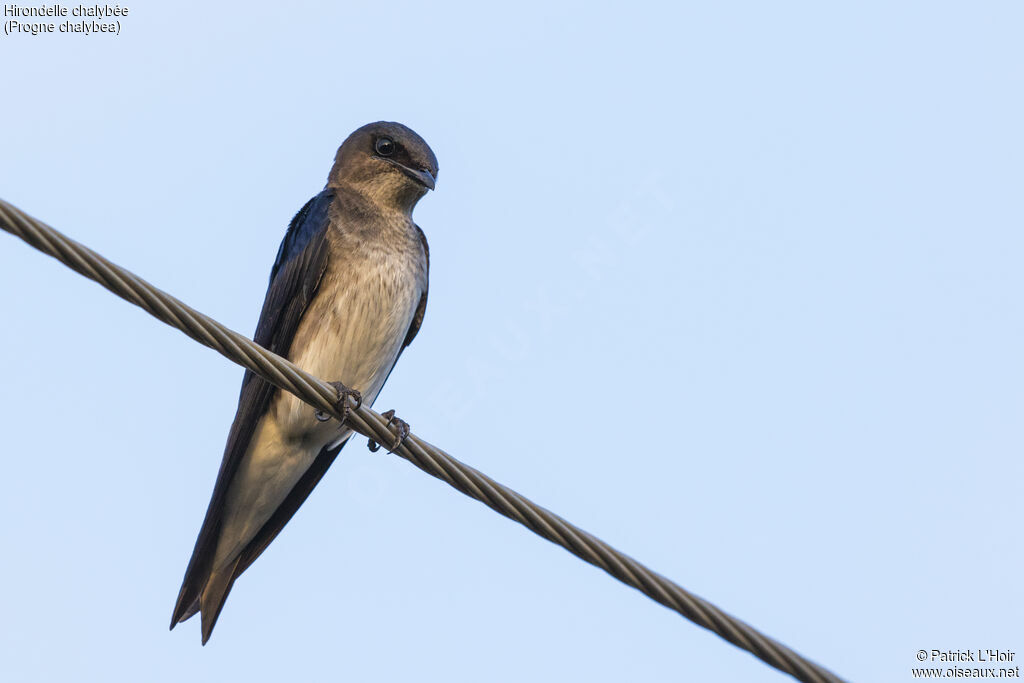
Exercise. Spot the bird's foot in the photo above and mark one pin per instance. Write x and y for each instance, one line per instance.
(401, 429)
(342, 406)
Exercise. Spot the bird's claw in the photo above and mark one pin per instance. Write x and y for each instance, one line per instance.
(401, 429)
(341, 404)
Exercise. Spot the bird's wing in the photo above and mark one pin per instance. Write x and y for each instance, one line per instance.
(300, 265)
(323, 460)
(421, 309)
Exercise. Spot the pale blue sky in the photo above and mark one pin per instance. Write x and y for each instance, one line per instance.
(734, 286)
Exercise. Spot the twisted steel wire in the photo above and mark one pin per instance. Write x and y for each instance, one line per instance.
(423, 455)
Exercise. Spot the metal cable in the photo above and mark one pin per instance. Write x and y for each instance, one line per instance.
(423, 455)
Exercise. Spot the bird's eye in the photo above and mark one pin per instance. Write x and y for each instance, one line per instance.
(385, 147)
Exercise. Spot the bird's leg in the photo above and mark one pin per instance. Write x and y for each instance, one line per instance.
(342, 403)
(401, 427)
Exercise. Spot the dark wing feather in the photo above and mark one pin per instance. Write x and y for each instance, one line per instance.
(300, 264)
(421, 309)
(221, 581)
(300, 242)
(316, 471)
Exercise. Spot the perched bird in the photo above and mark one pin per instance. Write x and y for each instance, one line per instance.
(347, 294)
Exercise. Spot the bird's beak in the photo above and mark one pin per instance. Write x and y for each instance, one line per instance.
(421, 176)
(426, 178)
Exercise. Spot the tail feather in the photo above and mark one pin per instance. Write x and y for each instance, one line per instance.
(186, 614)
(187, 604)
(204, 589)
(215, 593)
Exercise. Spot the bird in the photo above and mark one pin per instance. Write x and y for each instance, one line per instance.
(347, 294)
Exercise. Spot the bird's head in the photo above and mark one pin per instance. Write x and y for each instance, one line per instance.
(386, 162)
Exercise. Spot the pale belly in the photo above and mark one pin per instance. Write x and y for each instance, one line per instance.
(352, 334)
